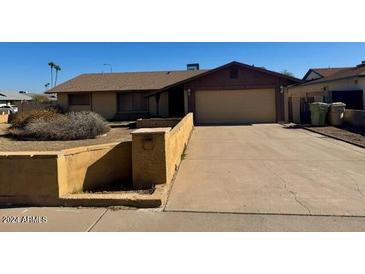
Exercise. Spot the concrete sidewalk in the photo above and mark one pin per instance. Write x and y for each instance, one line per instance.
(102, 219)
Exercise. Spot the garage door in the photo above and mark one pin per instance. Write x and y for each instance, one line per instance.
(235, 106)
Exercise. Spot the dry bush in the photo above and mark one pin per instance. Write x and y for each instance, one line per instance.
(69, 126)
(21, 119)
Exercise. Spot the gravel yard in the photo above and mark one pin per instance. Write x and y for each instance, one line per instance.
(354, 135)
(8, 144)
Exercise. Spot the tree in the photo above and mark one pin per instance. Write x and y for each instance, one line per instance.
(57, 68)
(51, 65)
(287, 73)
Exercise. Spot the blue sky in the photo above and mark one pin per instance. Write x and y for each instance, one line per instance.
(23, 66)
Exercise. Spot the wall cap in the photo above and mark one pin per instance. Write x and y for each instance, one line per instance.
(158, 130)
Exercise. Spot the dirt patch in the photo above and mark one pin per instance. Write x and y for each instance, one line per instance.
(9, 144)
(350, 134)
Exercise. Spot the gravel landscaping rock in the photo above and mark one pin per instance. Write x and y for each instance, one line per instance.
(9, 144)
(350, 134)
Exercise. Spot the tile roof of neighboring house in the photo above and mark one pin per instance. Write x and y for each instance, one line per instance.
(14, 96)
(325, 72)
(125, 81)
(51, 97)
(149, 81)
(358, 71)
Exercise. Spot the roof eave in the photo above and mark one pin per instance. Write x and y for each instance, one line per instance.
(225, 66)
(104, 90)
(329, 80)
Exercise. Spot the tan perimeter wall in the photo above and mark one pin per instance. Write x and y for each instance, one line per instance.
(95, 166)
(354, 117)
(157, 152)
(29, 178)
(4, 118)
(41, 178)
(157, 122)
(177, 141)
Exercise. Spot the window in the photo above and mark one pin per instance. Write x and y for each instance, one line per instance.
(79, 99)
(132, 102)
(233, 73)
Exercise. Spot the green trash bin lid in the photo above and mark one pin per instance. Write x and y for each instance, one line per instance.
(319, 106)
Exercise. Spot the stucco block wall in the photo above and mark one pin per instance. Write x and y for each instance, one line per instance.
(354, 117)
(92, 167)
(177, 141)
(29, 174)
(149, 157)
(157, 122)
(105, 103)
(156, 152)
(42, 178)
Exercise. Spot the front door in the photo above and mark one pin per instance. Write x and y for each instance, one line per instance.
(176, 102)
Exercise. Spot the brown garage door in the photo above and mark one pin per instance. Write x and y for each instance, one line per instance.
(235, 106)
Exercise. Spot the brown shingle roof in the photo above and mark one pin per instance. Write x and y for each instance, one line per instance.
(325, 72)
(124, 81)
(340, 74)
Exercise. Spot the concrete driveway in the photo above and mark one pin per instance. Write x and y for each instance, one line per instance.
(269, 169)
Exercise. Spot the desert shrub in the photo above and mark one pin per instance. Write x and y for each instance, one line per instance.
(69, 126)
(40, 98)
(21, 119)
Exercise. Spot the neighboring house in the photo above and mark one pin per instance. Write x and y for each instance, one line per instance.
(13, 98)
(328, 85)
(232, 93)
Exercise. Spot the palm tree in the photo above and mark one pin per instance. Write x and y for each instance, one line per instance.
(52, 65)
(46, 86)
(57, 68)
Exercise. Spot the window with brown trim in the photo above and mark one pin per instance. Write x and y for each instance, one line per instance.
(132, 102)
(79, 99)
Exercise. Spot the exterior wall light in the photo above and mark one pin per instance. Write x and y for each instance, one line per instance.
(281, 89)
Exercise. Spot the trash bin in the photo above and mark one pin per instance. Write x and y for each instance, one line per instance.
(318, 112)
(335, 115)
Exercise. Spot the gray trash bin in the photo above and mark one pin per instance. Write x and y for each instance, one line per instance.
(335, 115)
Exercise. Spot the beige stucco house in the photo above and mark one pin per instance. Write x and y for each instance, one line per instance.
(344, 84)
(229, 94)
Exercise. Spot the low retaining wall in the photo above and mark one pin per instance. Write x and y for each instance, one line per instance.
(157, 152)
(354, 117)
(4, 118)
(157, 122)
(45, 178)
(41, 178)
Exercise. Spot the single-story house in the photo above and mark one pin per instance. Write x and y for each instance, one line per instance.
(13, 98)
(229, 94)
(344, 84)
